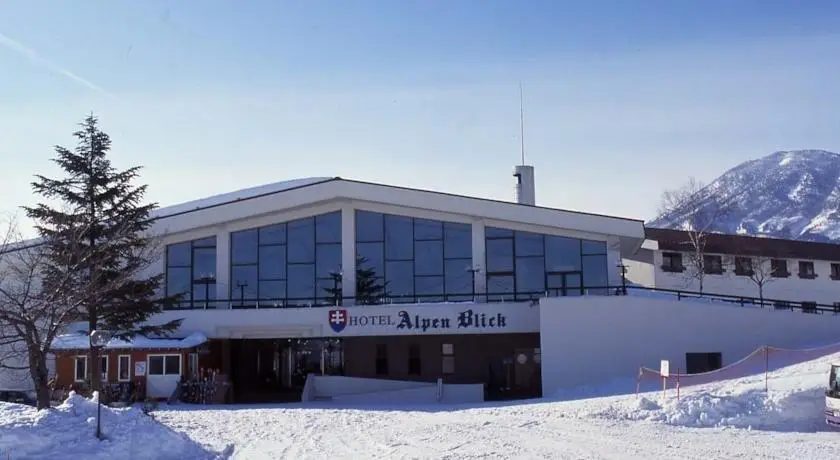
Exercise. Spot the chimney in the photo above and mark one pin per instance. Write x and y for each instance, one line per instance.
(525, 189)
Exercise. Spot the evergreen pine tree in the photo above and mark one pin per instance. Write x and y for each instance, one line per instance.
(100, 203)
(369, 290)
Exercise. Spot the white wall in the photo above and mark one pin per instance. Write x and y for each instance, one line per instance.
(822, 290)
(373, 320)
(588, 341)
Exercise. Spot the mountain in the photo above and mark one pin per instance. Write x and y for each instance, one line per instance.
(791, 194)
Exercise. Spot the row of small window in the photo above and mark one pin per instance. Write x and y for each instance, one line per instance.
(157, 365)
(414, 361)
(745, 266)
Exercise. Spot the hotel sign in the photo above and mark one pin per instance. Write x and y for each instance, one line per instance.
(341, 318)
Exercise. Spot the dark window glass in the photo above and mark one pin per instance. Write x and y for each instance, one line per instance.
(593, 247)
(272, 290)
(323, 290)
(272, 262)
(301, 241)
(381, 359)
(369, 226)
(399, 241)
(457, 240)
(428, 258)
(429, 288)
(374, 257)
(530, 276)
(328, 260)
(243, 247)
(204, 263)
(273, 234)
(425, 229)
(414, 359)
(562, 254)
(155, 365)
(208, 242)
(179, 255)
(499, 284)
(528, 244)
(172, 365)
(81, 368)
(301, 282)
(243, 282)
(499, 255)
(400, 278)
(595, 273)
(328, 228)
(179, 281)
(458, 279)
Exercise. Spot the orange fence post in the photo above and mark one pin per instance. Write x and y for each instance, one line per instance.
(766, 365)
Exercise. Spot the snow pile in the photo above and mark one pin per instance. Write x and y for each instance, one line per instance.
(69, 431)
(794, 401)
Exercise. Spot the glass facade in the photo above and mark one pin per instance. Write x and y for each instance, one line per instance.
(191, 273)
(418, 260)
(287, 264)
(525, 265)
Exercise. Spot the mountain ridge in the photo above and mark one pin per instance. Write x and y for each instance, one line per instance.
(792, 194)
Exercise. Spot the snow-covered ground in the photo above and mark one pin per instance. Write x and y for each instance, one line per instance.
(732, 419)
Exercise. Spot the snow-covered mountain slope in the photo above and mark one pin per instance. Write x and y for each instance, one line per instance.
(791, 194)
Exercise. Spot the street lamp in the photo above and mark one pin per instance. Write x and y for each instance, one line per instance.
(98, 340)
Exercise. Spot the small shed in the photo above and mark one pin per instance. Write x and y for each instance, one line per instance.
(153, 364)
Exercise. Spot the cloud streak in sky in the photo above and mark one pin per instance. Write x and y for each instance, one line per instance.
(37, 59)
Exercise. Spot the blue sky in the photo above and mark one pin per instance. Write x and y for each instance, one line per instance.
(622, 98)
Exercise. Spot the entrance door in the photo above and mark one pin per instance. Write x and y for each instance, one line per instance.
(564, 284)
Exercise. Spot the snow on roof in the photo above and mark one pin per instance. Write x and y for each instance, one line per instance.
(82, 341)
(243, 194)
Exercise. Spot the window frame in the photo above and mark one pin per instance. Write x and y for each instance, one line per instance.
(164, 356)
(76, 368)
(120, 368)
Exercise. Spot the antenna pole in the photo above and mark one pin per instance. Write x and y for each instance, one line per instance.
(521, 125)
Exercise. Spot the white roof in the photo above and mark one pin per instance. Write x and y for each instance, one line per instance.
(237, 195)
(82, 341)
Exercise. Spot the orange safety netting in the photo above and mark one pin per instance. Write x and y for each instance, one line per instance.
(762, 360)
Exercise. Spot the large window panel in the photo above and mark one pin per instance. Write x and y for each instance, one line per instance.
(428, 258)
(458, 278)
(399, 238)
(179, 254)
(273, 234)
(500, 285)
(495, 232)
(562, 254)
(590, 247)
(530, 276)
(244, 247)
(301, 283)
(528, 244)
(244, 282)
(425, 229)
(595, 274)
(328, 260)
(429, 288)
(301, 241)
(272, 290)
(179, 281)
(373, 255)
(204, 263)
(457, 240)
(400, 278)
(272, 262)
(369, 226)
(499, 255)
(328, 228)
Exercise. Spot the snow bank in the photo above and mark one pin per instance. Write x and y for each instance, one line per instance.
(794, 401)
(69, 431)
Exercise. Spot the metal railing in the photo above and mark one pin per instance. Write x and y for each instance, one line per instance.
(507, 296)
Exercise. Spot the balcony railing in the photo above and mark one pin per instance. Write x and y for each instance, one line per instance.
(804, 306)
